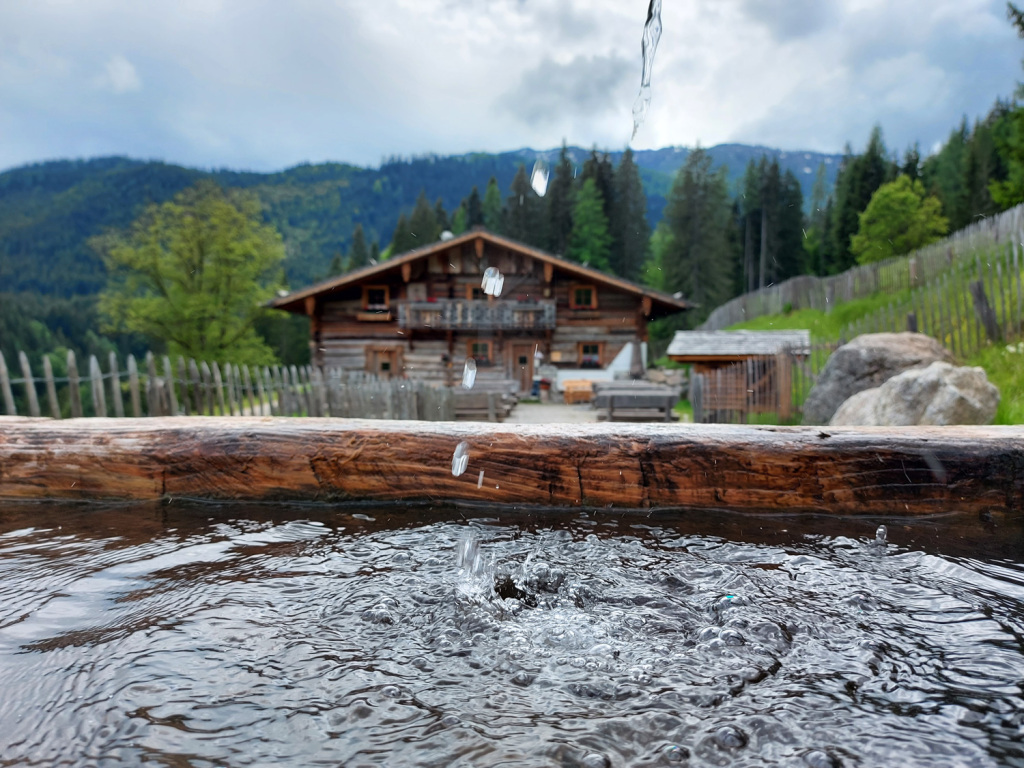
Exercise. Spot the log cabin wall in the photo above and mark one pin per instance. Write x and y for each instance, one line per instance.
(352, 335)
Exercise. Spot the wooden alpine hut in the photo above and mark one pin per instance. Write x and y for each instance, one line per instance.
(420, 314)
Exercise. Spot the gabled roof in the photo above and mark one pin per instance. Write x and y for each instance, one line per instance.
(295, 301)
(716, 344)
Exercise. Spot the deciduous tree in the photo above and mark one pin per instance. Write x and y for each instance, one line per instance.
(898, 220)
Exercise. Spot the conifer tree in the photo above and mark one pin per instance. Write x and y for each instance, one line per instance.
(423, 223)
(491, 208)
(630, 231)
(561, 200)
(697, 259)
(589, 241)
(358, 254)
(402, 240)
(337, 265)
(441, 215)
(374, 252)
(459, 220)
(524, 210)
(474, 209)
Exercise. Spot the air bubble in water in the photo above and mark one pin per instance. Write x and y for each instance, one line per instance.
(539, 177)
(595, 760)
(881, 534)
(469, 373)
(492, 282)
(461, 458)
(730, 737)
(651, 36)
(676, 754)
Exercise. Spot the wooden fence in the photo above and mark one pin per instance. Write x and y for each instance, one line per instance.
(763, 388)
(190, 388)
(900, 273)
(976, 303)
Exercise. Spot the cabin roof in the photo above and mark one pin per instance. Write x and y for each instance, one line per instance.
(718, 344)
(295, 301)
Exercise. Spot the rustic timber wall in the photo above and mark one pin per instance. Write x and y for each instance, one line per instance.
(905, 471)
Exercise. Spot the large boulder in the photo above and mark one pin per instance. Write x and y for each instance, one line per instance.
(937, 395)
(865, 363)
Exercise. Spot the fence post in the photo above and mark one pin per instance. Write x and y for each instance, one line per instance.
(133, 386)
(5, 385)
(153, 399)
(73, 386)
(207, 388)
(183, 377)
(51, 387)
(115, 387)
(984, 310)
(30, 385)
(229, 383)
(172, 397)
(197, 386)
(99, 400)
(218, 384)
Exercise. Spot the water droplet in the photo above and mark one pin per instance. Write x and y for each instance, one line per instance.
(816, 758)
(492, 282)
(480, 480)
(539, 177)
(461, 458)
(676, 754)
(450, 720)
(651, 36)
(881, 534)
(730, 737)
(469, 373)
(595, 760)
(391, 691)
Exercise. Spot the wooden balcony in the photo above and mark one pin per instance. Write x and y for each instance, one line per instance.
(477, 315)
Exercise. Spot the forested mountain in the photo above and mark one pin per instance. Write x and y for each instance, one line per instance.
(48, 211)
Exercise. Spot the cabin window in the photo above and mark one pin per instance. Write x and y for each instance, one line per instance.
(590, 354)
(475, 293)
(376, 297)
(482, 352)
(583, 297)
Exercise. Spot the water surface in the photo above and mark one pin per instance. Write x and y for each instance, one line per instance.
(248, 635)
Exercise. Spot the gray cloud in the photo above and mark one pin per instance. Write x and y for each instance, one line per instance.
(584, 87)
(790, 19)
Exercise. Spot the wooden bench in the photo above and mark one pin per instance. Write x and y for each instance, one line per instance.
(482, 406)
(577, 391)
(638, 406)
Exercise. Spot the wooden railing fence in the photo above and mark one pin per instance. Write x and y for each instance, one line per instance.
(768, 388)
(900, 273)
(190, 388)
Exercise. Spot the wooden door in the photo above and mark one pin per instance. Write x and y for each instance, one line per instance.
(522, 365)
(384, 361)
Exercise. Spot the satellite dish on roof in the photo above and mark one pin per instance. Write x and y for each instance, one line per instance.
(446, 236)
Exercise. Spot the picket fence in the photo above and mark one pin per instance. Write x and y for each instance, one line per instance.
(191, 388)
(901, 273)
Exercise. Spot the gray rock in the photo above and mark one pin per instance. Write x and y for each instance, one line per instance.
(865, 363)
(938, 395)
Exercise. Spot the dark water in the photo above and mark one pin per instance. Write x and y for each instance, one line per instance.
(223, 636)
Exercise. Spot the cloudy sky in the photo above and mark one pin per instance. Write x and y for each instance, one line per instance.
(265, 84)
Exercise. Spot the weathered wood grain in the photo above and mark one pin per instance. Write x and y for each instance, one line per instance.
(865, 471)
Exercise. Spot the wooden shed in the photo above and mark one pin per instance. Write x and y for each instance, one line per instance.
(740, 372)
(420, 314)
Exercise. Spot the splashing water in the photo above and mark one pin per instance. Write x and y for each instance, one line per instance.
(469, 373)
(461, 458)
(652, 34)
(539, 177)
(492, 282)
(881, 535)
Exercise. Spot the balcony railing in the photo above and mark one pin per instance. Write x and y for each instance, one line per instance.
(477, 315)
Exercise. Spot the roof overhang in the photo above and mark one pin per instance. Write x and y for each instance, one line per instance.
(660, 304)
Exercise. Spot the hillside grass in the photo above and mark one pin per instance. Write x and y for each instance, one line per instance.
(1004, 366)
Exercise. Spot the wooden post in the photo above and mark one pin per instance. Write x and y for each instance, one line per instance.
(280, 380)
(912, 322)
(229, 382)
(153, 399)
(133, 386)
(74, 387)
(115, 387)
(172, 396)
(30, 385)
(51, 387)
(196, 382)
(183, 378)
(267, 383)
(254, 408)
(99, 400)
(5, 385)
(984, 310)
(218, 384)
(207, 388)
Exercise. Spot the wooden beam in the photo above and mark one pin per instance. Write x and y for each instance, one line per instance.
(479, 245)
(646, 305)
(910, 471)
(407, 271)
(311, 306)
(549, 271)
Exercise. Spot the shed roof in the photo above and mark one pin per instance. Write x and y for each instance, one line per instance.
(717, 344)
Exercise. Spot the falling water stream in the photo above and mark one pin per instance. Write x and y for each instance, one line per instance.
(235, 636)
